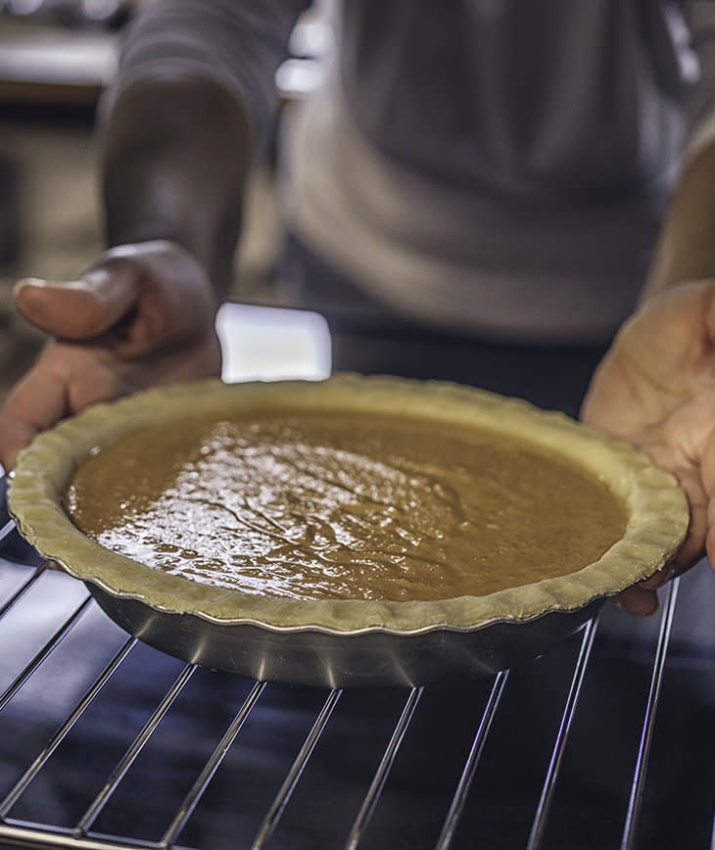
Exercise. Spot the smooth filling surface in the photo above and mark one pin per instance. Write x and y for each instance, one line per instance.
(333, 505)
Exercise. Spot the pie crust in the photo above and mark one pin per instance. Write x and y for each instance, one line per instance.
(656, 508)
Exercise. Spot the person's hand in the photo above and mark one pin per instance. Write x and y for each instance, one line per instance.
(142, 315)
(656, 389)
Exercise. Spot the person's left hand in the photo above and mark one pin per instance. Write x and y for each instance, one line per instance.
(656, 389)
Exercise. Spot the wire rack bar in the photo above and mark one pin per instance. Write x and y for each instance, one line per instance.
(21, 785)
(44, 653)
(459, 799)
(639, 774)
(383, 770)
(286, 790)
(6, 530)
(23, 589)
(289, 784)
(20, 834)
(94, 810)
(197, 789)
(547, 794)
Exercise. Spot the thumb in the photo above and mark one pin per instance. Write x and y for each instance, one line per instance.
(78, 309)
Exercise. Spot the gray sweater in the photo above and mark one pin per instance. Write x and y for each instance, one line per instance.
(495, 166)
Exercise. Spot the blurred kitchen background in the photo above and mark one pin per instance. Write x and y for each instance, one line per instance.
(56, 56)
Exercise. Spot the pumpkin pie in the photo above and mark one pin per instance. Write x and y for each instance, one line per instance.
(347, 504)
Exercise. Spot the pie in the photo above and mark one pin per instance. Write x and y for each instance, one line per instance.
(345, 504)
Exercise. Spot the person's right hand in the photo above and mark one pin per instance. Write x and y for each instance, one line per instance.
(142, 315)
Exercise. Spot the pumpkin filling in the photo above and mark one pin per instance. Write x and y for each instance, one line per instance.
(335, 505)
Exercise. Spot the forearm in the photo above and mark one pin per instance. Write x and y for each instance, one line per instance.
(175, 154)
(686, 247)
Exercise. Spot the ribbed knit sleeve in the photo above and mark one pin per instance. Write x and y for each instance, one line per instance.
(701, 106)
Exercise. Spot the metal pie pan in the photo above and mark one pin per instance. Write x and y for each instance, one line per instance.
(341, 660)
(348, 643)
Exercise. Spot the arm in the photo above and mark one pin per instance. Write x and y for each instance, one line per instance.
(176, 153)
(194, 97)
(686, 248)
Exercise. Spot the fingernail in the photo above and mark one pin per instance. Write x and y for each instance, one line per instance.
(41, 283)
(37, 282)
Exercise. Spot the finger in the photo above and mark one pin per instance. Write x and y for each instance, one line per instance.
(35, 403)
(638, 600)
(670, 457)
(78, 309)
(710, 540)
(66, 378)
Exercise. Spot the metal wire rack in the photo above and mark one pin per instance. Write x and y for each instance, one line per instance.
(606, 741)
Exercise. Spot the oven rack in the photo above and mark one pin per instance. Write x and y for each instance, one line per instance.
(107, 743)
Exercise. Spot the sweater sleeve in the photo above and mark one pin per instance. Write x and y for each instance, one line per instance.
(238, 43)
(700, 129)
